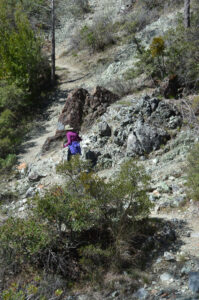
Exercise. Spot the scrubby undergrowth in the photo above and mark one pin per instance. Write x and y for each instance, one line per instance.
(80, 232)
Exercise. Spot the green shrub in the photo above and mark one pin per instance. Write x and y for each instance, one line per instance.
(42, 288)
(173, 54)
(92, 217)
(24, 72)
(79, 7)
(113, 207)
(8, 162)
(195, 105)
(193, 173)
(23, 242)
(11, 97)
(157, 46)
(95, 37)
(181, 53)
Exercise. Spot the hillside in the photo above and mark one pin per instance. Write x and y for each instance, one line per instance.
(122, 113)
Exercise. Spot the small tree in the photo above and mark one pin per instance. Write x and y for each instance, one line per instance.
(193, 173)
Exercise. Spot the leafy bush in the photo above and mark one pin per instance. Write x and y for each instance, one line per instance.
(182, 52)
(24, 72)
(79, 7)
(195, 105)
(6, 164)
(193, 173)
(23, 240)
(11, 97)
(42, 288)
(87, 220)
(176, 53)
(95, 37)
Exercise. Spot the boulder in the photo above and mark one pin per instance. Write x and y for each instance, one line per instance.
(72, 112)
(145, 138)
(96, 105)
(80, 111)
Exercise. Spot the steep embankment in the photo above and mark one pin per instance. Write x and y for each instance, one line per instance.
(162, 149)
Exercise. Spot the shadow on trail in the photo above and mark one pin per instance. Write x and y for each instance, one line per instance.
(166, 237)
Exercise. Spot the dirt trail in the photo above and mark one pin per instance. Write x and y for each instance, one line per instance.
(70, 77)
(190, 216)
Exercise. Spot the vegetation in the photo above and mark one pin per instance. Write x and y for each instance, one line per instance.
(175, 54)
(76, 229)
(78, 7)
(193, 173)
(95, 37)
(24, 72)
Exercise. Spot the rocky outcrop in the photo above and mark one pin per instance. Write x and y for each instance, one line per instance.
(145, 138)
(137, 129)
(159, 113)
(73, 110)
(96, 105)
(80, 111)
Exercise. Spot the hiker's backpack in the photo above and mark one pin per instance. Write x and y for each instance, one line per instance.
(75, 148)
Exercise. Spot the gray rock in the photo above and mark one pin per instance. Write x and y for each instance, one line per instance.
(166, 277)
(127, 121)
(30, 192)
(65, 154)
(163, 187)
(169, 256)
(34, 176)
(141, 294)
(174, 122)
(145, 138)
(104, 129)
(166, 115)
(146, 106)
(22, 186)
(179, 200)
(115, 294)
(120, 137)
(185, 270)
(194, 281)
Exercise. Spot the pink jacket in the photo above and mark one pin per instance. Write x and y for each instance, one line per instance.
(72, 137)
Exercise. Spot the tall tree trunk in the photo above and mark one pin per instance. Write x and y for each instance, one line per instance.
(53, 42)
(187, 21)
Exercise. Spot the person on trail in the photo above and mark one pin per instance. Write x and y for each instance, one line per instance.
(73, 141)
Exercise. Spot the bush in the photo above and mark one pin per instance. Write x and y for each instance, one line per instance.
(38, 287)
(95, 37)
(182, 52)
(24, 73)
(195, 105)
(193, 173)
(89, 219)
(23, 240)
(11, 97)
(79, 7)
(8, 162)
(173, 54)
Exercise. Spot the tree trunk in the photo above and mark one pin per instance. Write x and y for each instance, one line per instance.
(53, 43)
(187, 21)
